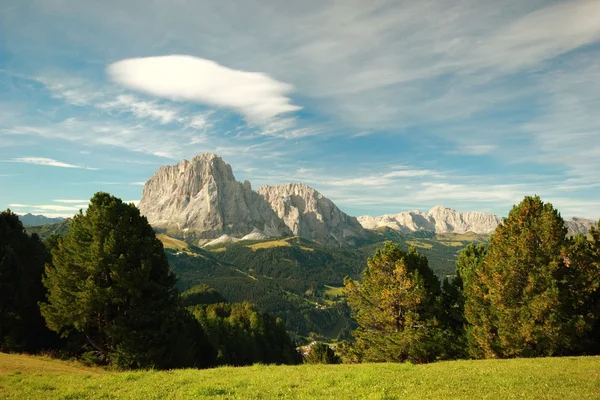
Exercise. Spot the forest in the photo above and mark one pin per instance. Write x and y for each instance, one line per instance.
(105, 293)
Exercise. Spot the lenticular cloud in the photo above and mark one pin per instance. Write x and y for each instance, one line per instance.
(180, 77)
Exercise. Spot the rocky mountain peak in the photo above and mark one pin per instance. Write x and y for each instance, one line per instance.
(309, 214)
(201, 201)
(441, 219)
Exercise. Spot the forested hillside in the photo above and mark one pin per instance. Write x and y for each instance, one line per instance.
(293, 278)
(298, 280)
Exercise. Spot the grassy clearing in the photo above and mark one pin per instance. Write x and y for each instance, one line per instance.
(462, 237)
(172, 243)
(546, 378)
(269, 244)
(334, 290)
(452, 244)
(24, 364)
(420, 244)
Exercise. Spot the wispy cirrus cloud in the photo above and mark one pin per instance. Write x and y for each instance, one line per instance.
(68, 201)
(48, 162)
(142, 109)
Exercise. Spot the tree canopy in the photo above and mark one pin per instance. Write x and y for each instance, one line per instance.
(396, 306)
(528, 297)
(109, 285)
(22, 259)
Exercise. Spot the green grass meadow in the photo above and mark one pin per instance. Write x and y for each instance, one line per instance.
(23, 377)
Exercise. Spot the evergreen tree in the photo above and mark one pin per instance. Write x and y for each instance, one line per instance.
(580, 294)
(469, 260)
(321, 353)
(243, 336)
(22, 259)
(526, 298)
(397, 308)
(109, 283)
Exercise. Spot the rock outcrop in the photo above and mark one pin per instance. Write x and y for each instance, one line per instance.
(444, 220)
(309, 214)
(579, 225)
(201, 201)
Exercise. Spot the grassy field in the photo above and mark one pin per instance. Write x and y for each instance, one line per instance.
(334, 290)
(23, 377)
(172, 243)
(269, 244)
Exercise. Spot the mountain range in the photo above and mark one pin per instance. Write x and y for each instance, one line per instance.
(36, 220)
(200, 200)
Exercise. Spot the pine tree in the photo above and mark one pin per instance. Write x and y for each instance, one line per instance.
(580, 294)
(109, 282)
(22, 259)
(519, 302)
(454, 294)
(396, 307)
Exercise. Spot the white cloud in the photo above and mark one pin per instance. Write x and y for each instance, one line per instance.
(49, 162)
(71, 201)
(55, 207)
(180, 77)
(543, 34)
(474, 150)
(141, 109)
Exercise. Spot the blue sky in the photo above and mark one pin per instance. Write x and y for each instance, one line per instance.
(382, 106)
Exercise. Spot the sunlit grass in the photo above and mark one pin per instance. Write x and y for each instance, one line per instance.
(420, 244)
(172, 243)
(545, 378)
(334, 290)
(269, 244)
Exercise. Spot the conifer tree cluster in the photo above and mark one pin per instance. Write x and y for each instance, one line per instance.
(110, 289)
(106, 289)
(398, 307)
(534, 291)
(22, 259)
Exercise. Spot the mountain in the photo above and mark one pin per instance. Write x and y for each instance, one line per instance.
(45, 231)
(201, 201)
(579, 225)
(438, 220)
(37, 220)
(309, 214)
(446, 220)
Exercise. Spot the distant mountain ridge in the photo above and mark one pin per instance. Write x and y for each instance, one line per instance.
(36, 220)
(201, 201)
(447, 220)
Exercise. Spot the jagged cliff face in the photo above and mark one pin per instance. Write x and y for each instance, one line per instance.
(201, 201)
(307, 213)
(439, 220)
(579, 225)
(443, 220)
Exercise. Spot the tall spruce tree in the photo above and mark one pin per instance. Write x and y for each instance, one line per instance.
(397, 308)
(581, 294)
(110, 283)
(454, 293)
(520, 301)
(22, 259)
